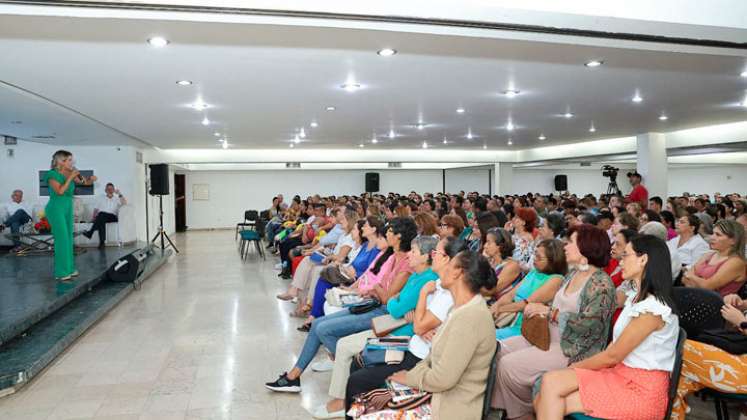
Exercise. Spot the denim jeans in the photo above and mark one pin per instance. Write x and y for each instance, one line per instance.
(328, 329)
(15, 221)
(272, 229)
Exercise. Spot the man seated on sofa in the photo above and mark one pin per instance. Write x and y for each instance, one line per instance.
(19, 213)
(105, 211)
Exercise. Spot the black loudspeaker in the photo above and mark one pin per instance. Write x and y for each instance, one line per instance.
(159, 179)
(561, 182)
(372, 182)
(128, 268)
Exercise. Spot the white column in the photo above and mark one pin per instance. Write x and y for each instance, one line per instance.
(652, 163)
(503, 176)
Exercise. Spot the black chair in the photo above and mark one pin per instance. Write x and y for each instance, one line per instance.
(250, 219)
(491, 383)
(699, 309)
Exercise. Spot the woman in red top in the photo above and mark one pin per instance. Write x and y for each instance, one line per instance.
(614, 269)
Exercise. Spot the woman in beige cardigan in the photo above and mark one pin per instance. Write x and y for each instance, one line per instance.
(456, 370)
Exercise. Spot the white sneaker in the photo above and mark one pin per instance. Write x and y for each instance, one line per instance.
(322, 413)
(324, 366)
(279, 266)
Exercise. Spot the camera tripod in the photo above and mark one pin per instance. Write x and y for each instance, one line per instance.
(161, 232)
(612, 188)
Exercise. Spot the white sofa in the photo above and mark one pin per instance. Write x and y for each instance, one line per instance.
(117, 234)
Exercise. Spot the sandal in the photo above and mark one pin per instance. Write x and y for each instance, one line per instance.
(304, 328)
(285, 296)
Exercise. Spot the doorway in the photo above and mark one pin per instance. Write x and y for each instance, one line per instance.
(180, 201)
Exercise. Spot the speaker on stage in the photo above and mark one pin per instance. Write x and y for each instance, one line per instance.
(128, 268)
(561, 182)
(372, 182)
(159, 179)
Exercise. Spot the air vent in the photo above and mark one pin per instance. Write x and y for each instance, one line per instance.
(395, 164)
(10, 141)
(292, 165)
(585, 163)
(42, 137)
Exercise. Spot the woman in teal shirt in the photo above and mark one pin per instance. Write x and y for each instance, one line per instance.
(59, 211)
(539, 285)
(407, 299)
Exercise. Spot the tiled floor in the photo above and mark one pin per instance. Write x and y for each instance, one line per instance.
(196, 342)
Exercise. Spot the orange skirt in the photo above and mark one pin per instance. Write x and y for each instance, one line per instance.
(622, 392)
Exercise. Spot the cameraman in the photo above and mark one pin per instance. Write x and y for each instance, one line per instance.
(639, 194)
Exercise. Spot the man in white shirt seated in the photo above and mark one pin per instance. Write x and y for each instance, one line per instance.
(19, 213)
(106, 211)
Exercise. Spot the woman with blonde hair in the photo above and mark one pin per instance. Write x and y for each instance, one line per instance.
(62, 179)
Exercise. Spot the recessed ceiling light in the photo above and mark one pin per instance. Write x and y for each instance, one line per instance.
(445, 141)
(510, 142)
(469, 135)
(510, 93)
(594, 63)
(743, 74)
(663, 117)
(158, 41)
(205, 121)
(460, 110)
(420, 126)
(330, 108)
(510, 126)
(200, 106)
(744, 103)
(183, 82)
(542, 137)
(425, 145)
(592, 129)
(568, 115)
(484, 146)
(391, 134)
(350, 87)
(296, 139)
(361, 145)
(292, 145)
(314, 124)
(302, 133)
(225, 145)
(216, 134)
(374, 140)
(637, 98)
(386, 52)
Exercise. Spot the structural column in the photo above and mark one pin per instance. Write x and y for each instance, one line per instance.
(652, 163)
(503, 176)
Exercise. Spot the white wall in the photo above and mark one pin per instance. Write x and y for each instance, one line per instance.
(233, 192)
(723, 179)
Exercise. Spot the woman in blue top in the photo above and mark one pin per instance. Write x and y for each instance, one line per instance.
(365, 234)
(539, 285)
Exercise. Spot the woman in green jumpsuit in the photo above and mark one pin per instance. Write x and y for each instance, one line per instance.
(59, 211)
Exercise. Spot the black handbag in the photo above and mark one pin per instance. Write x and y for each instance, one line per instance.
(363, 307)
(729, 341)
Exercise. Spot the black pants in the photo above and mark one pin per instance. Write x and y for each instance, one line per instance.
(286, 246)
(367, 379)
(99, 224)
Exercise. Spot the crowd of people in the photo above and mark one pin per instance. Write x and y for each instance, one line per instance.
(414, 297)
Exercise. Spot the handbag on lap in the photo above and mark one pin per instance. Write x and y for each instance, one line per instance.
(536, 330)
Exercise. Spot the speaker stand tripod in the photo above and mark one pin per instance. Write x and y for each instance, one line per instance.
(612, 188)
(161, 232)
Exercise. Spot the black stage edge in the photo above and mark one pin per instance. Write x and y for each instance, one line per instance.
(40, 317)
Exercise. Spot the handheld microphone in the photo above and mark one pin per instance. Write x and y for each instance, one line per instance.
(80, 177)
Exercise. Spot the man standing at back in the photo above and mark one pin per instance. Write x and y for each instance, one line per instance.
(639, 194)
(19, 213)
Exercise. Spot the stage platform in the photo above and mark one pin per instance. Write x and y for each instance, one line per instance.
(40, 317)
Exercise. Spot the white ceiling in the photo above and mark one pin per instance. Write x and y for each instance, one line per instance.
(264, 82)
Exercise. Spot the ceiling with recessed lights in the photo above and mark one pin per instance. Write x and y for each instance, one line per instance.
(272, 86)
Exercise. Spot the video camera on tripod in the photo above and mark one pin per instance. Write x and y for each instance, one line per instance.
(610, 172)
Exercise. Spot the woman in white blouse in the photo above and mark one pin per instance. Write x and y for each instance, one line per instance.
(688, 244)
(630, 378)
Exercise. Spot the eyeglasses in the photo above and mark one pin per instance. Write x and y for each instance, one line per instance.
(443, 225)
(437, 252)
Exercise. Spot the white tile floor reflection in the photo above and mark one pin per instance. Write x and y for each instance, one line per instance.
(198, 341)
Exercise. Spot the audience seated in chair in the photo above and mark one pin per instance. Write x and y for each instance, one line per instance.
(724, 269)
